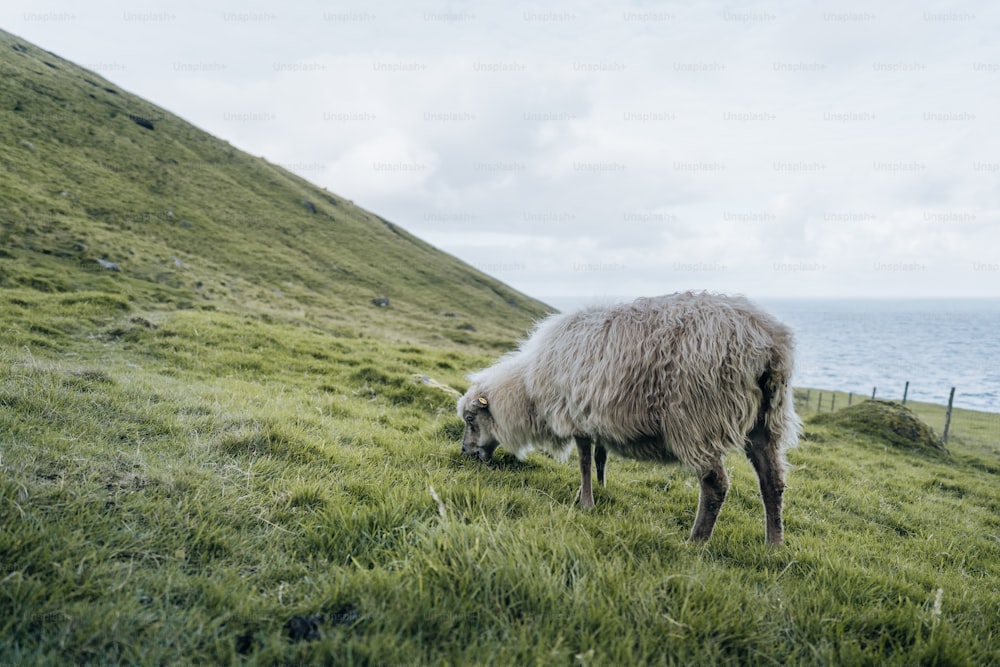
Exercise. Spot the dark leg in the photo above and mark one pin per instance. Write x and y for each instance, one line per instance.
(766, 460)
(586, 490)
(600, 458)
(714, 486)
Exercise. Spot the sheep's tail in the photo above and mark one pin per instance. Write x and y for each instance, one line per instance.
(778, 402)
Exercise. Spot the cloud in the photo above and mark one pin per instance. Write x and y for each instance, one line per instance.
(610, 149)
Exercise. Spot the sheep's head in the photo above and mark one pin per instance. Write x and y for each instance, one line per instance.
(478, 439)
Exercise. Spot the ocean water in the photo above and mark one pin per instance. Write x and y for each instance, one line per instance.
(860, 344)
(935, 344)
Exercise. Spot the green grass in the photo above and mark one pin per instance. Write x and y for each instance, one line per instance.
(181, 490)
(207, 464)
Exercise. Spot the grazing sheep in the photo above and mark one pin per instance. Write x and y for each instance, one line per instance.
(678, 378)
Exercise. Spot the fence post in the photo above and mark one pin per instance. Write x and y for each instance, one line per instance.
(808, 393)
(833, 401)
(906, 390)
(873, 392)
(947, 417)
(849, 397)
(819, 403)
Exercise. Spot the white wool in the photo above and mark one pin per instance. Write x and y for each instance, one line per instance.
(666, 378)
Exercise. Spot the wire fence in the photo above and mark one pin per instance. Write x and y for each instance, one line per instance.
(951, 424)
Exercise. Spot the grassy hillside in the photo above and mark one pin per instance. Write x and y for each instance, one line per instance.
(235, 460)
(170, 494)
(91, 172)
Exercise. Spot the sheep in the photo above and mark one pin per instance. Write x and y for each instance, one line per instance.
(683, 378)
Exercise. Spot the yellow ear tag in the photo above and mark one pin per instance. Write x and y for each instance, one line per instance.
(483, 402)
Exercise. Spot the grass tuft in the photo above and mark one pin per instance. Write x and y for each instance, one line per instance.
(885, 421)
(267, 440)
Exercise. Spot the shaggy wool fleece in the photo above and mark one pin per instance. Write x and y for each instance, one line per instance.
(668, 378)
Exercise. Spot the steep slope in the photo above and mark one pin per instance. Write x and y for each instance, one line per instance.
(96, 179)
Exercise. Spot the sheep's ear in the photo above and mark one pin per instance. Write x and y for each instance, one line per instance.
(483, 403)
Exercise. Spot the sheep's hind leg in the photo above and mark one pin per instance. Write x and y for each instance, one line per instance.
(714, 486)
(767, 463)
(586, 493)
(600, 459)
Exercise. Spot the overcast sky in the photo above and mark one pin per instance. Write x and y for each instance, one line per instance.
(589, 149)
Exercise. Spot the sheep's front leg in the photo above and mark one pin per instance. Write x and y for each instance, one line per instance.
(600, 459)
(714, 487)
(586, 490)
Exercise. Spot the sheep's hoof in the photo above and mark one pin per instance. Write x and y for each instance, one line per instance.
(585, 503)
(700, 535)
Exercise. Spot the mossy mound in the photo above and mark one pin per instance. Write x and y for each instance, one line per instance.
(887, 421)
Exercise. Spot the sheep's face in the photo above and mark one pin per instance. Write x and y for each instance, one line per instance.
(478, 439)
